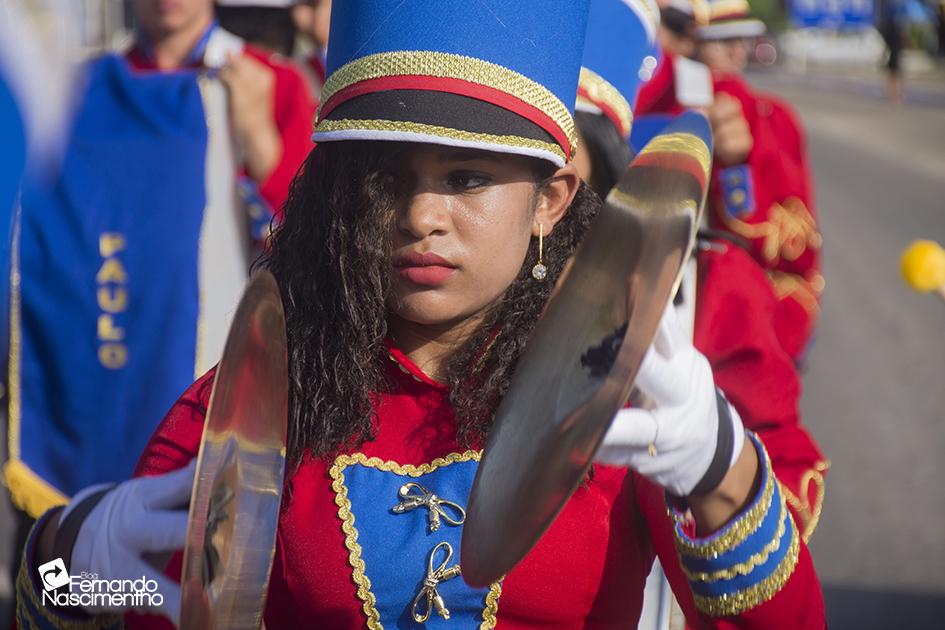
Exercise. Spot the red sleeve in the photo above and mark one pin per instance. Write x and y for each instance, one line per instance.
(177, 439)
(174, 443)
(294, 111)
(736, 329)
(796, 605)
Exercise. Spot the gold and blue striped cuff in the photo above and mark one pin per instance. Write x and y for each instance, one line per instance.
(748, 561)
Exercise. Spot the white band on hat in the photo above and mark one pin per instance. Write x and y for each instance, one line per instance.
(272, 4)
(733, 29)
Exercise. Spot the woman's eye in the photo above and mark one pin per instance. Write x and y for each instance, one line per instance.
(464, 180)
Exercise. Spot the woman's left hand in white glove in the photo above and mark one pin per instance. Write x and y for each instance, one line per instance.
(690, 436)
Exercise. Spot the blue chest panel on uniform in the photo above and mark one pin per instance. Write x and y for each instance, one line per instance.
(396, 547)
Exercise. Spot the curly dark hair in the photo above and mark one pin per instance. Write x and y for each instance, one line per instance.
(331, 257)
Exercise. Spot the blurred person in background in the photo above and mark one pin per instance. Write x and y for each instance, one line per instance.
(273, 25)
(726, 302)
(268, 103)
(313, 19)
(788, 232)
(761, 193)
(940, 27)
(128, 264)
(889, 18)
(263, 24)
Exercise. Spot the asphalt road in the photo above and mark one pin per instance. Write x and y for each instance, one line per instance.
(875, 382)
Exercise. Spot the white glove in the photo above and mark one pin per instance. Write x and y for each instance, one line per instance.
(143, 515)
(674, 443)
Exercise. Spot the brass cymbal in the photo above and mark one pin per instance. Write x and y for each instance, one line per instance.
(234, 507)
(580, 362)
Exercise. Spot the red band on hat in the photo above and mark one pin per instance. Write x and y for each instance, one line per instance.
(452, 86)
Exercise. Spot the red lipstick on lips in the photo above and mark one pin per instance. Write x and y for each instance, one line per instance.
(427, 270)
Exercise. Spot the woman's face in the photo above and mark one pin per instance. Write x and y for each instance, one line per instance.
(724, 55)
(462, 228)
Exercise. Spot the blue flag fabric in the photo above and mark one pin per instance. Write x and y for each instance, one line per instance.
(12, 163)
(105, 297)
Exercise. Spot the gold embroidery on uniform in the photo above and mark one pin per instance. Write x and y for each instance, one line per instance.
(369, 601)
(599, 91)
(450, 66)
(403, 369)
(738, 530)
(682, 142)
(808, 514)
(344, 124)
(789, 231)
(803, 291)
(491, 612)
(746, 567)
(746, 599)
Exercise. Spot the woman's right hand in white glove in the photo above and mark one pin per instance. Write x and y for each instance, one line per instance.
(140, 516)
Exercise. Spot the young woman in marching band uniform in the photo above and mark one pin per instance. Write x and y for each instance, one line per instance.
(406, 262)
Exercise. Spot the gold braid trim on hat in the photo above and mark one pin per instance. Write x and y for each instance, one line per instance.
(727, 9)
(397, 126)
(598, 91)
(450, 66)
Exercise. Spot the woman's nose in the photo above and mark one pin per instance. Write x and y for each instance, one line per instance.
(424, 214)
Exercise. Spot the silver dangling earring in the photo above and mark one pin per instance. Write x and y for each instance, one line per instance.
(539, 271)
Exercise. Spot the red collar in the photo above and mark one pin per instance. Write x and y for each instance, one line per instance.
(408, 367)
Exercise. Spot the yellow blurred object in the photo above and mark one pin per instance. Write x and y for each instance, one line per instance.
(923, 266)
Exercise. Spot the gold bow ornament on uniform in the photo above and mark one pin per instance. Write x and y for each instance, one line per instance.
(428, 599)
(413, 495)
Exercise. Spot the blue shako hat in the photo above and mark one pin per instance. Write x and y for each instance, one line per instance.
(620, 52)
(499, 75)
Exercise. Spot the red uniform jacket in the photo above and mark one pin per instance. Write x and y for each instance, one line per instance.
(767, 201)
(589, 569)
(343, 559)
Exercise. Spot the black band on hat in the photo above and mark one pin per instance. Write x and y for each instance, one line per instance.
(442, 109)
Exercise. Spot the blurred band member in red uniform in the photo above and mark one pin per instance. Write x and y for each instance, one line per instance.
(270, 107)
(312, 19)
(761, 191)
(728, 304)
